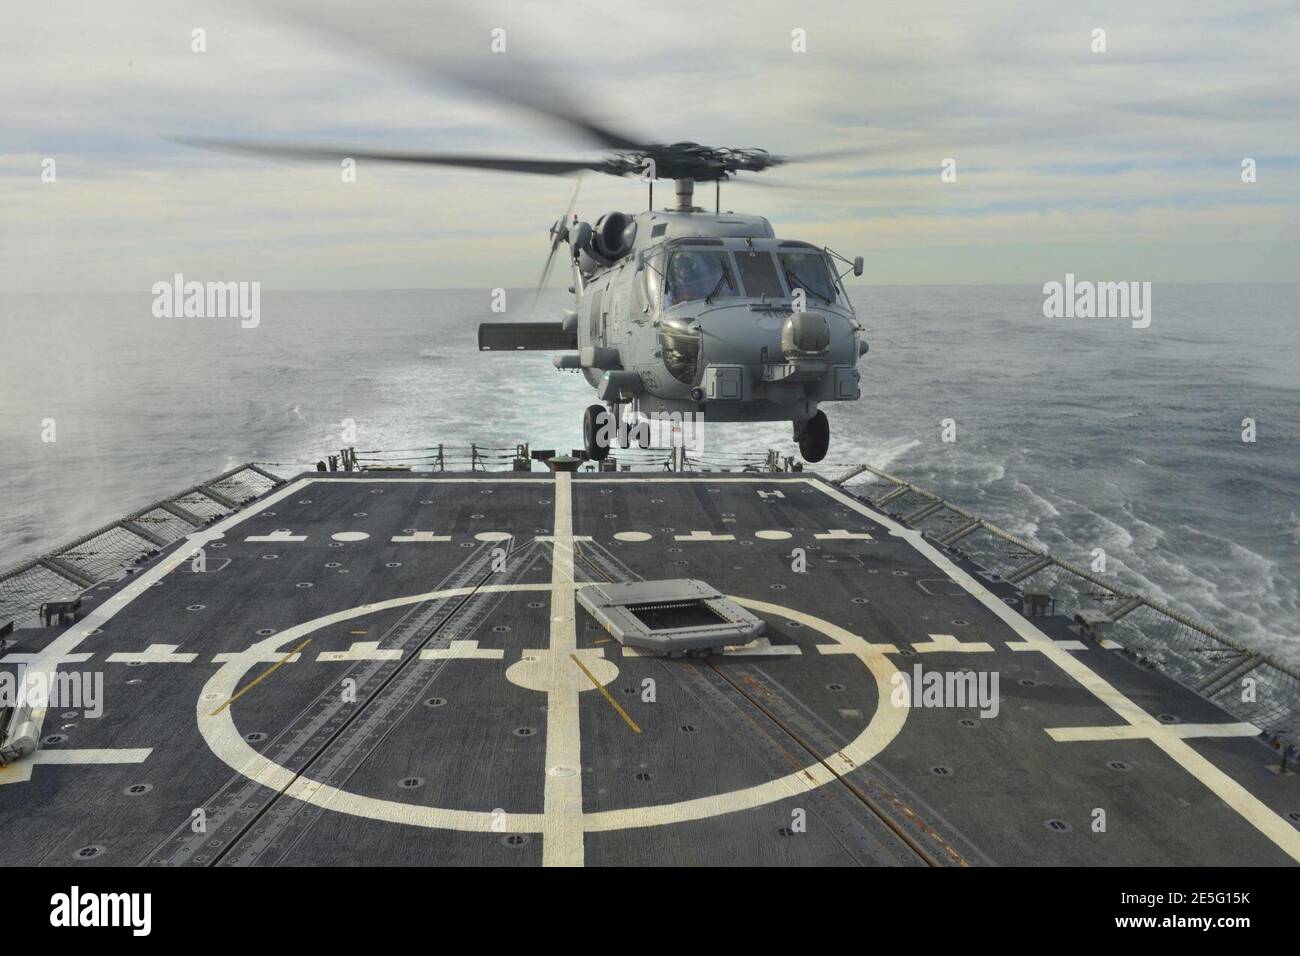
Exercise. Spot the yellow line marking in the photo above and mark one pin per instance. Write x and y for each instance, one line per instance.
(261, 677)
(603, 640)
(607, 695)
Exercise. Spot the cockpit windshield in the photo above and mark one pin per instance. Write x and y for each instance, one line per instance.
(758, 273)
(694, 274)
(807, 271)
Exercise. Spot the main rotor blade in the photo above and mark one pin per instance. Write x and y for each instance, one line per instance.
(400, 34)
(782, 184)
(1204, 115)
(511, 164)
(822, 156)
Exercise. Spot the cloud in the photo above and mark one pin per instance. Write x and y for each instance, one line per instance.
(1134, 152)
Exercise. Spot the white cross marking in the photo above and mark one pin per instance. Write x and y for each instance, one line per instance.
(153, 654)
(946, 642)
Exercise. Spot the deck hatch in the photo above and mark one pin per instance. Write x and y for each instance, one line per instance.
(669, 617)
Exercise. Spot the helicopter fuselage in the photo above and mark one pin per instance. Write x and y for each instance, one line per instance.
(690, 313)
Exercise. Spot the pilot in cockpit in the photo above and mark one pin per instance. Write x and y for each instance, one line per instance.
(695, 275)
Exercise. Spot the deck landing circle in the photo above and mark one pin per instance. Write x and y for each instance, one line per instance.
(219, 731)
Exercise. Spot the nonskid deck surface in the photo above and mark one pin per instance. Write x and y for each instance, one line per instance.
(393, 669)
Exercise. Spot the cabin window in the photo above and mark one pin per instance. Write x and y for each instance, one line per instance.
(696, 274)
(807, 271)
(758, 273)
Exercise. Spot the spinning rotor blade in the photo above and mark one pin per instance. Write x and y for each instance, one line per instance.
(561, 230)
(782, 184)
(399, 32)
(440, 45)
(1199, 115)
(512, 164)
(820, 157)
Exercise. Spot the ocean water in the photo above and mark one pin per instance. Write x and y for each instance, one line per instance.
(1075, 433)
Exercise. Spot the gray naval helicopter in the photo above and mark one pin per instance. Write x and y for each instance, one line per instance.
(680, 314)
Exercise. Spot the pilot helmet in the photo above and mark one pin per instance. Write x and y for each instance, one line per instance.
(688, 267)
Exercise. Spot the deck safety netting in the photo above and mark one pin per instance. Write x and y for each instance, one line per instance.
(23, 592)
(993, 552)
(201, 506)
(106, 553)
(164, 524)
(110, 550)
(1184, 652)
(1267, 697)
(1071, 593)
(242, 486)
(942, 522)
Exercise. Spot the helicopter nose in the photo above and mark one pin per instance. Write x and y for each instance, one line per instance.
(776, 355)
(739, 335)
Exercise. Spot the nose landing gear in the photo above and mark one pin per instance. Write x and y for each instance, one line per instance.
(814, 437)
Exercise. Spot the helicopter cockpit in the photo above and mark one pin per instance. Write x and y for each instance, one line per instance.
(698, 274)
(688, 273)
(692, 277)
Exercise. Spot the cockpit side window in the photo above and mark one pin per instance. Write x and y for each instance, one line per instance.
(694, 274)
(758, 273)
(652, 291)
(807, 271)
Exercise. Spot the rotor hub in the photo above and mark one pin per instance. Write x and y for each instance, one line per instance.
(690, 161)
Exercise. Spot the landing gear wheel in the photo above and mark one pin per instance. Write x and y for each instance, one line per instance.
(815, 439)
(596, 426)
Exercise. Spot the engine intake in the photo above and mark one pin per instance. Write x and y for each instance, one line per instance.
(613, 235)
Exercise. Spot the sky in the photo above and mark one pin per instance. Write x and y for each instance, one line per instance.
(1117, 165)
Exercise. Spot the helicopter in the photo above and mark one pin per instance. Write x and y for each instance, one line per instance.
(679, 313)
(682, 314)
